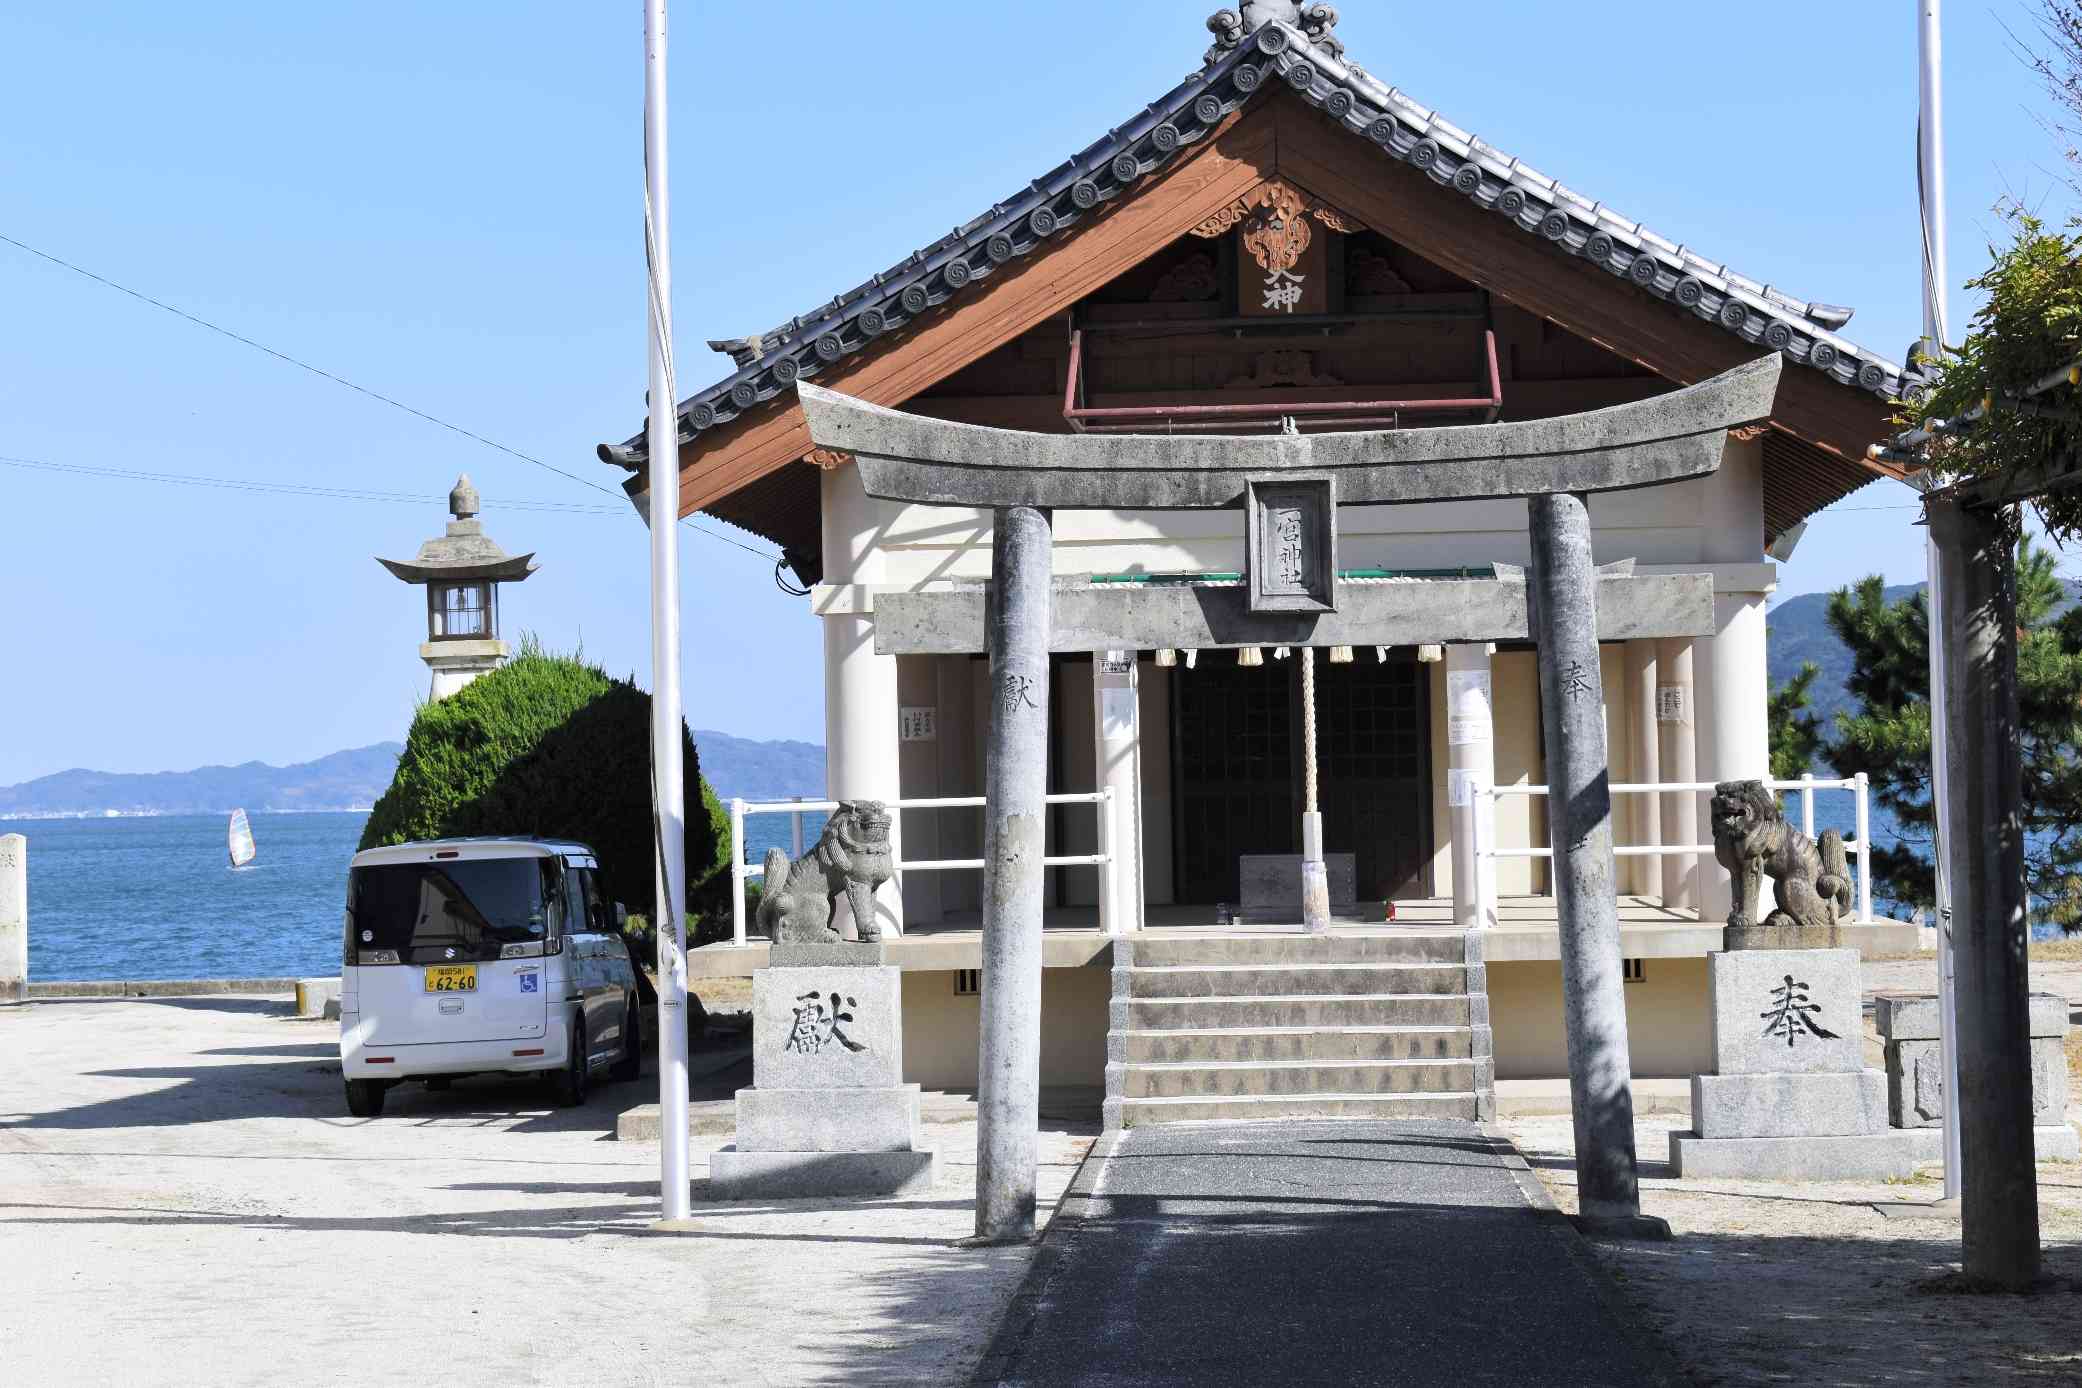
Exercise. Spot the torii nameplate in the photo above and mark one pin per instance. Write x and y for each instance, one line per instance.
(935, 462)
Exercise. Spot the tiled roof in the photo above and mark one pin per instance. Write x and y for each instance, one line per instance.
(770, 363)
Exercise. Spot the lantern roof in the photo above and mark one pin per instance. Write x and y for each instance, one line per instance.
(464, 552)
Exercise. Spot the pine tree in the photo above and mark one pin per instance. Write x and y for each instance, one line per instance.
(1796, 734)
(1889, 738)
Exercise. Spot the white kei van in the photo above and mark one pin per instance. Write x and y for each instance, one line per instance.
(467, 956)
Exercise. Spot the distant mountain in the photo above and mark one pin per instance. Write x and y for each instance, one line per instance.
(735, 766)
(1800, 632)
(748, 770)
(343, 781)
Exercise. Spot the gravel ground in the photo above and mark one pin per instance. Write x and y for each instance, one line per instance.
(1807, 1283)
(183, 1199)
(1770, 1283)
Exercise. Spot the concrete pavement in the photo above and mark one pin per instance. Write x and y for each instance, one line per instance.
(1339, 1253)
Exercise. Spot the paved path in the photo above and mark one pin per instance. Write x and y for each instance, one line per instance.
(1313, 1253)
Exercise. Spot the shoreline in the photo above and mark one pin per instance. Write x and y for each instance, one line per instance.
(68, 989)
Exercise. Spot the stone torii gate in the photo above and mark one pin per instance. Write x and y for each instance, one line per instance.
(1292, 486)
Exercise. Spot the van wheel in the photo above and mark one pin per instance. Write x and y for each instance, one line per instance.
(629, 1064)
(365, 1098)
(567, 1087)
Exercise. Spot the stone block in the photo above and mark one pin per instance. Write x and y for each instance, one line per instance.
(1915, 1016)
(14, 920)
(1916, 1082)
(828, 1120)
(1745, 937)
(1270, 883)
(735, 1175)
(1786, 1012)
(2050, 1142)
(1866, 1157)
(816, 954)
(1789, 1105)
(317, 997)
(831, 1027)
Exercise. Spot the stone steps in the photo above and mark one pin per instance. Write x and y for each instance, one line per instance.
(1136, 1113)
(1229, 980)
(1270, 1044)
(1297, 1010)
(1301, 949)
(1247, 1078)
(1242, 1027)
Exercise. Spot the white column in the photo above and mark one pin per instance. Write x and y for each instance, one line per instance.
(1734, 731)
(14, 919)
(1641, 813)
(1471, 767)
(1677, 755)
(1117, 749)
(860, 688)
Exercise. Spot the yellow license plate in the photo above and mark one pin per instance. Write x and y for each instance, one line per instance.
(451, 978)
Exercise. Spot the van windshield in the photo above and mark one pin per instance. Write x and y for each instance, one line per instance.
(470, 907)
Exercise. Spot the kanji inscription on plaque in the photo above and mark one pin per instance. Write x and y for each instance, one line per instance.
(1292, 544)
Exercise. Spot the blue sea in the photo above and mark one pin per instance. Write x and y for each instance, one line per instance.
(155, 898)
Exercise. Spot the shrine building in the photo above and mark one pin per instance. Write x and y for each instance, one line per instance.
(1288, 241)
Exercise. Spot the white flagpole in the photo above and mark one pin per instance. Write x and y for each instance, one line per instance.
(668, 769)
(1930, 187)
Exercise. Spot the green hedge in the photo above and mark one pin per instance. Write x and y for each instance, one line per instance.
(548, 746)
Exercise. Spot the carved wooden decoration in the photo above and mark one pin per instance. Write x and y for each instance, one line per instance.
(1191, 281)
(1367, 274)
(827, 459)
(1275, 221)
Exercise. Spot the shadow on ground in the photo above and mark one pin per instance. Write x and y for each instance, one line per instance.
(1797, 1315)
(297, 1078)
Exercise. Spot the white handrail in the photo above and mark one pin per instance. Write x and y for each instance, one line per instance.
(740, 870)
(1807, 785)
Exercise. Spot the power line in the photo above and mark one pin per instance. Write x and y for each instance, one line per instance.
(296, 489)
(350, 385)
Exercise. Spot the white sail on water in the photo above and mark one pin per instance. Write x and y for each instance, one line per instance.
(241, 839)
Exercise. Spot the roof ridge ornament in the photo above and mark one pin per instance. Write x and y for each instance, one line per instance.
(1315, 21)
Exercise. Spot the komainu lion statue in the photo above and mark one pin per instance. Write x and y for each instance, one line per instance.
(1751, 838)
(851, 858)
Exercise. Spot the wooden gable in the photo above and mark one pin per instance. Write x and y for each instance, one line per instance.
(750, 471)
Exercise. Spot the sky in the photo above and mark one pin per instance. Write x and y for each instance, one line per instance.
(442, 204)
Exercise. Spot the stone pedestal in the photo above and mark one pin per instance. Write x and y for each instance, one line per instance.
(828, 1112)
(1790, 1099)
(1908, 1024)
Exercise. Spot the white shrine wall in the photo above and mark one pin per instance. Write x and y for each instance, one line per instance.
(1713, 525)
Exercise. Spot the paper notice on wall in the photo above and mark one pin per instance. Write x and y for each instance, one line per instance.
(1116, 662)
(1670, 704)
(1467, 707)
(1117, 714)
(1460, 787)
(917, 724)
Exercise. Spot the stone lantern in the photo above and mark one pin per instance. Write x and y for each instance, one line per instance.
(462, 571)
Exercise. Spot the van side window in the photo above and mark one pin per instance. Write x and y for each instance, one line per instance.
(574, 898)
(553, 909)
(596, 904)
